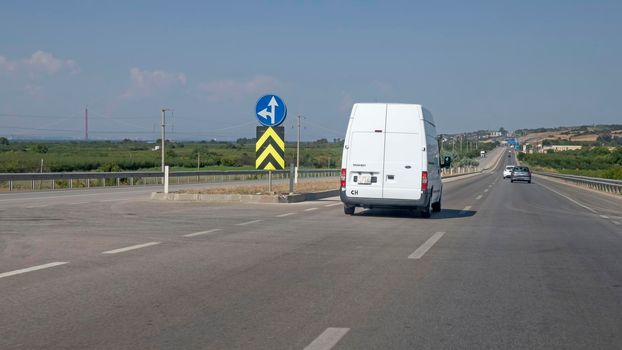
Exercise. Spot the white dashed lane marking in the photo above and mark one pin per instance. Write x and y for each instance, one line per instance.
(133, 247)
(328, 339)
(417, 254)
(332, 205)
(34, 268)
(203, 232)
(478, 197)
(284, 215)
(248, 222)
(463, 211)
(310, 209)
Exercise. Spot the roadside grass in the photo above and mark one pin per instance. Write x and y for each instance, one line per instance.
(301, 187)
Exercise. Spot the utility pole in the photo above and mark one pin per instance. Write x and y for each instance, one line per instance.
(297, 151)
(86, 123)
(163, 134)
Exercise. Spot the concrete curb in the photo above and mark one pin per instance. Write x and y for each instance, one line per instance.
(245, 198)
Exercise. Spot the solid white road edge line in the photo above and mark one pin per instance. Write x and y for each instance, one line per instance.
(328, 339)
(310, 209)
(284, 215)
(417, 254)
(248, 222)
(568, 198)
(202, 232)
(138, 246)
(34, 268)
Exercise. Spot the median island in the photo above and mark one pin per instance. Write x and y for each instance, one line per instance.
(307, 190)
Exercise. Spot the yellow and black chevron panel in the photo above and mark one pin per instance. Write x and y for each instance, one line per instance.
(270, 148)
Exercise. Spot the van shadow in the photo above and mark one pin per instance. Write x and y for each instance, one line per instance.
(405, 213)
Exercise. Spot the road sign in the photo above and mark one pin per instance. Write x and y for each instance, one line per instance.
(270, 148)
(270, 110)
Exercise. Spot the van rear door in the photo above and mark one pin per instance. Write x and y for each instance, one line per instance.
(404, 151)
(364, 163)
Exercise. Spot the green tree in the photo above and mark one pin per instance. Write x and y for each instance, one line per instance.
(39, 148)
(4, 141)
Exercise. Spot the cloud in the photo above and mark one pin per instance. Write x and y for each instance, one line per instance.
(219, 90)
(7, 65)
(46, 62)
(39, 63)
(145, 83)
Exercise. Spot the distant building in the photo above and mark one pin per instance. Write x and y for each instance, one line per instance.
(560, 148)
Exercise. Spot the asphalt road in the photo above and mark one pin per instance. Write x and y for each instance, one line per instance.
(502, 266)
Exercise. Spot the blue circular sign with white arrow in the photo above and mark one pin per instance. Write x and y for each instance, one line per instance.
(270, 110)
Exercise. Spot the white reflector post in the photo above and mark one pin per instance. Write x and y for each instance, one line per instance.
(295, 175)
(166, 179)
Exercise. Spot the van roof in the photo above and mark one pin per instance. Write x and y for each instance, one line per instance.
(388, 103)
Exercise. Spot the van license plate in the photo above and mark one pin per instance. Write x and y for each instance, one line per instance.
(364, 180)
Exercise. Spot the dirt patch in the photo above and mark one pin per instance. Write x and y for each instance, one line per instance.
(301, 187)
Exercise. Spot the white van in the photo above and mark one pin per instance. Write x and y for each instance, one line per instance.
(391, 159)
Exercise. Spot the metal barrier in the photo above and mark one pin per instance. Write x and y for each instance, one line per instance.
(599, 184)
(72, 180)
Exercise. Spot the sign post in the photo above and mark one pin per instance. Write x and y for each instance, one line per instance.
(270, 147)
(166, 171)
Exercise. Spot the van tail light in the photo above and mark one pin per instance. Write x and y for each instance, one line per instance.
(343, 178)
(424, 180)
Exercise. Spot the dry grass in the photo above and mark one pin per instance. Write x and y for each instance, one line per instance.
(301, 187)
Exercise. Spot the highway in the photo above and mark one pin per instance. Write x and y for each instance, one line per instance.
(503, 266)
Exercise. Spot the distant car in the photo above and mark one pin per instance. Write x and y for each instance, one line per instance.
(507, 172)
(520, 173)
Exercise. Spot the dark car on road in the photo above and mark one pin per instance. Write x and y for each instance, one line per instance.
(520, 173)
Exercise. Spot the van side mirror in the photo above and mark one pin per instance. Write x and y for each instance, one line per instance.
(446, 162)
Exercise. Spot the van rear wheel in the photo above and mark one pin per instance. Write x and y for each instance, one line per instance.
(426, 212)
(348, 210)
(436, 207)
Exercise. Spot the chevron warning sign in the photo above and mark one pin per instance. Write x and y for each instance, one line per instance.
(270, 148)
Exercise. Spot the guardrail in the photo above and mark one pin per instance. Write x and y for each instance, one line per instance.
(599, 184)
(70, 180)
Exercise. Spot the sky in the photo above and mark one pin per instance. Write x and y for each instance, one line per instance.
(474, 64)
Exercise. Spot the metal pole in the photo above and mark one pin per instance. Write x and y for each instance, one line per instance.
(297, 153)
(291, 179)
(270, 181)
(40, 181)
(166, 179)
(163, 135)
